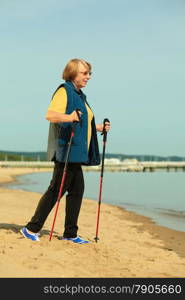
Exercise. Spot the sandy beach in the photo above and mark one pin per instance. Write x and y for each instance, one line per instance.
(130, 245)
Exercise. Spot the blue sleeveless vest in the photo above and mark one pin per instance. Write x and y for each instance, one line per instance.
(59, 133)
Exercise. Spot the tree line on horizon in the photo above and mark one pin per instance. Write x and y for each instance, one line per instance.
(41, 156)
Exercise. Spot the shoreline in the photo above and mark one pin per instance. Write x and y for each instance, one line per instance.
(157, 218)
(130, 245)
(8, 175)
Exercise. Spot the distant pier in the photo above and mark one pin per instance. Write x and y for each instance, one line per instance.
(109, 165)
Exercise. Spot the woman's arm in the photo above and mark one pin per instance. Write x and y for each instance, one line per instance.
(56, 117)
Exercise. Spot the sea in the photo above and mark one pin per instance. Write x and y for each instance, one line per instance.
(159, 195)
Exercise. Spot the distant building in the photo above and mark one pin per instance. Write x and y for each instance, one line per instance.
(130, 161)
(112, 161)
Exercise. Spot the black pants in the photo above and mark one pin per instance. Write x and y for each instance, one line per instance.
(74, 185)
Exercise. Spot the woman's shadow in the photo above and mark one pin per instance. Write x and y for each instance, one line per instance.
(15, 228)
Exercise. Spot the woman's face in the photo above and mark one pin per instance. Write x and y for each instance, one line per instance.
(82, 76)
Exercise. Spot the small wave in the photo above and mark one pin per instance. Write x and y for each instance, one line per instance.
(171, 212)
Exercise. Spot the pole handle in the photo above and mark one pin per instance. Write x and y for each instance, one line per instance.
(104, 132)
(104, 121)
(76, 122)
(79, 116)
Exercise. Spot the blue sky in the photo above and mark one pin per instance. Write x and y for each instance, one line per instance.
(137, 50)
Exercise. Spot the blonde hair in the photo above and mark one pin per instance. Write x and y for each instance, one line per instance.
(71, 69)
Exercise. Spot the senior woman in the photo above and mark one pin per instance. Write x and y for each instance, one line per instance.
(61, 113)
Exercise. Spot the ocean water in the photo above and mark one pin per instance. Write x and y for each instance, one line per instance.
(159, 195)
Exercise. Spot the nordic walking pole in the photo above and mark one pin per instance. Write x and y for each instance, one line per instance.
(104, 133)
(64, 172)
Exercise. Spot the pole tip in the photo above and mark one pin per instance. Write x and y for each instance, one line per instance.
(96, 239)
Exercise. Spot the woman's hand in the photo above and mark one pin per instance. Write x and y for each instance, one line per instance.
(99, 127)
(74, 116)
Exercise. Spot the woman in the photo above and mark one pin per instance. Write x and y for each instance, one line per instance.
(84, 150)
